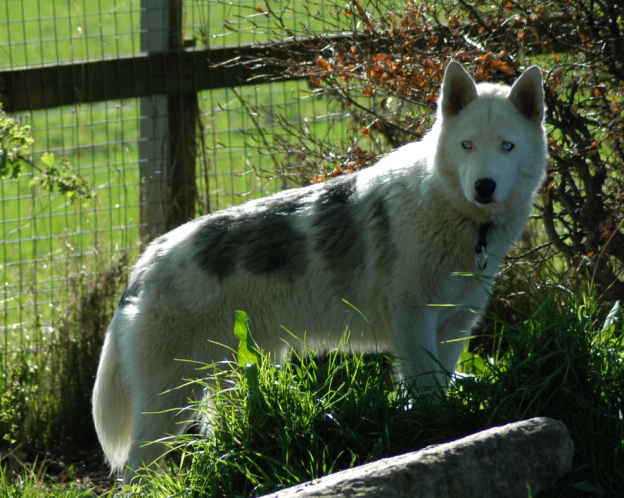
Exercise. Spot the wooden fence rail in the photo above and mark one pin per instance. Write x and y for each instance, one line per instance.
(185, 70)
(172, 72)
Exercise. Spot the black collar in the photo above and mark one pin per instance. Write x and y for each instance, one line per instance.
(481, 247)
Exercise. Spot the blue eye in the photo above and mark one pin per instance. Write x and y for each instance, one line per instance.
(467, 145)
(507, 146)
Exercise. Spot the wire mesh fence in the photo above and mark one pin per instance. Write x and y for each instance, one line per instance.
(47, 241)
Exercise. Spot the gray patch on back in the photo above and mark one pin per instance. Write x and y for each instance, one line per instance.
(381, 233)
(217, 249)
(273, 245)
(262, 241)
(337, 236)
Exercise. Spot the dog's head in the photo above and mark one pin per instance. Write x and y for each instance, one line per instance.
(491, 137)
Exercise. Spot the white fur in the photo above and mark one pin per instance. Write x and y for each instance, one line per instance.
(414, 219)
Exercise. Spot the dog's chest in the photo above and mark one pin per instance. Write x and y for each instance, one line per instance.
(441, 262)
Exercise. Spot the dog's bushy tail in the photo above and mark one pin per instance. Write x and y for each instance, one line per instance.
(111, 405)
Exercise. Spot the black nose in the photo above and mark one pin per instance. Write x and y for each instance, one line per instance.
(484, 187)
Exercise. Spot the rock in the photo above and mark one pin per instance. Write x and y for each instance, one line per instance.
(515, 460)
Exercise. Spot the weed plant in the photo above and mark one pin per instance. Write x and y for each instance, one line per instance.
(45, 395)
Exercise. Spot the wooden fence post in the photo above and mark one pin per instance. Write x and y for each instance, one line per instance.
(167, 144)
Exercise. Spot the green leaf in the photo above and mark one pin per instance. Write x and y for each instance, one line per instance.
(48, 159)
(247, 359)
(52, 173)
(245, 356)
(472, 364)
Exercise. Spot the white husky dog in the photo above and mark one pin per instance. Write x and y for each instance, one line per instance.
(429, 224)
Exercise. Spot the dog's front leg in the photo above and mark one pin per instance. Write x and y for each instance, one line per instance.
(416, 346)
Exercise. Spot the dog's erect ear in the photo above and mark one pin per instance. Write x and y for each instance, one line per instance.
(527, 94)
(458, 90)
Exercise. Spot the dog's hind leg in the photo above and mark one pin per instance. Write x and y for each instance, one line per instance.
(159, 411)
(160, 384)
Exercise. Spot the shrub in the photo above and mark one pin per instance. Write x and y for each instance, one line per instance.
(386, 74)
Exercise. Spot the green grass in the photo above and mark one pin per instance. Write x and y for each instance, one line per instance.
(315, 415)
(32, 482)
